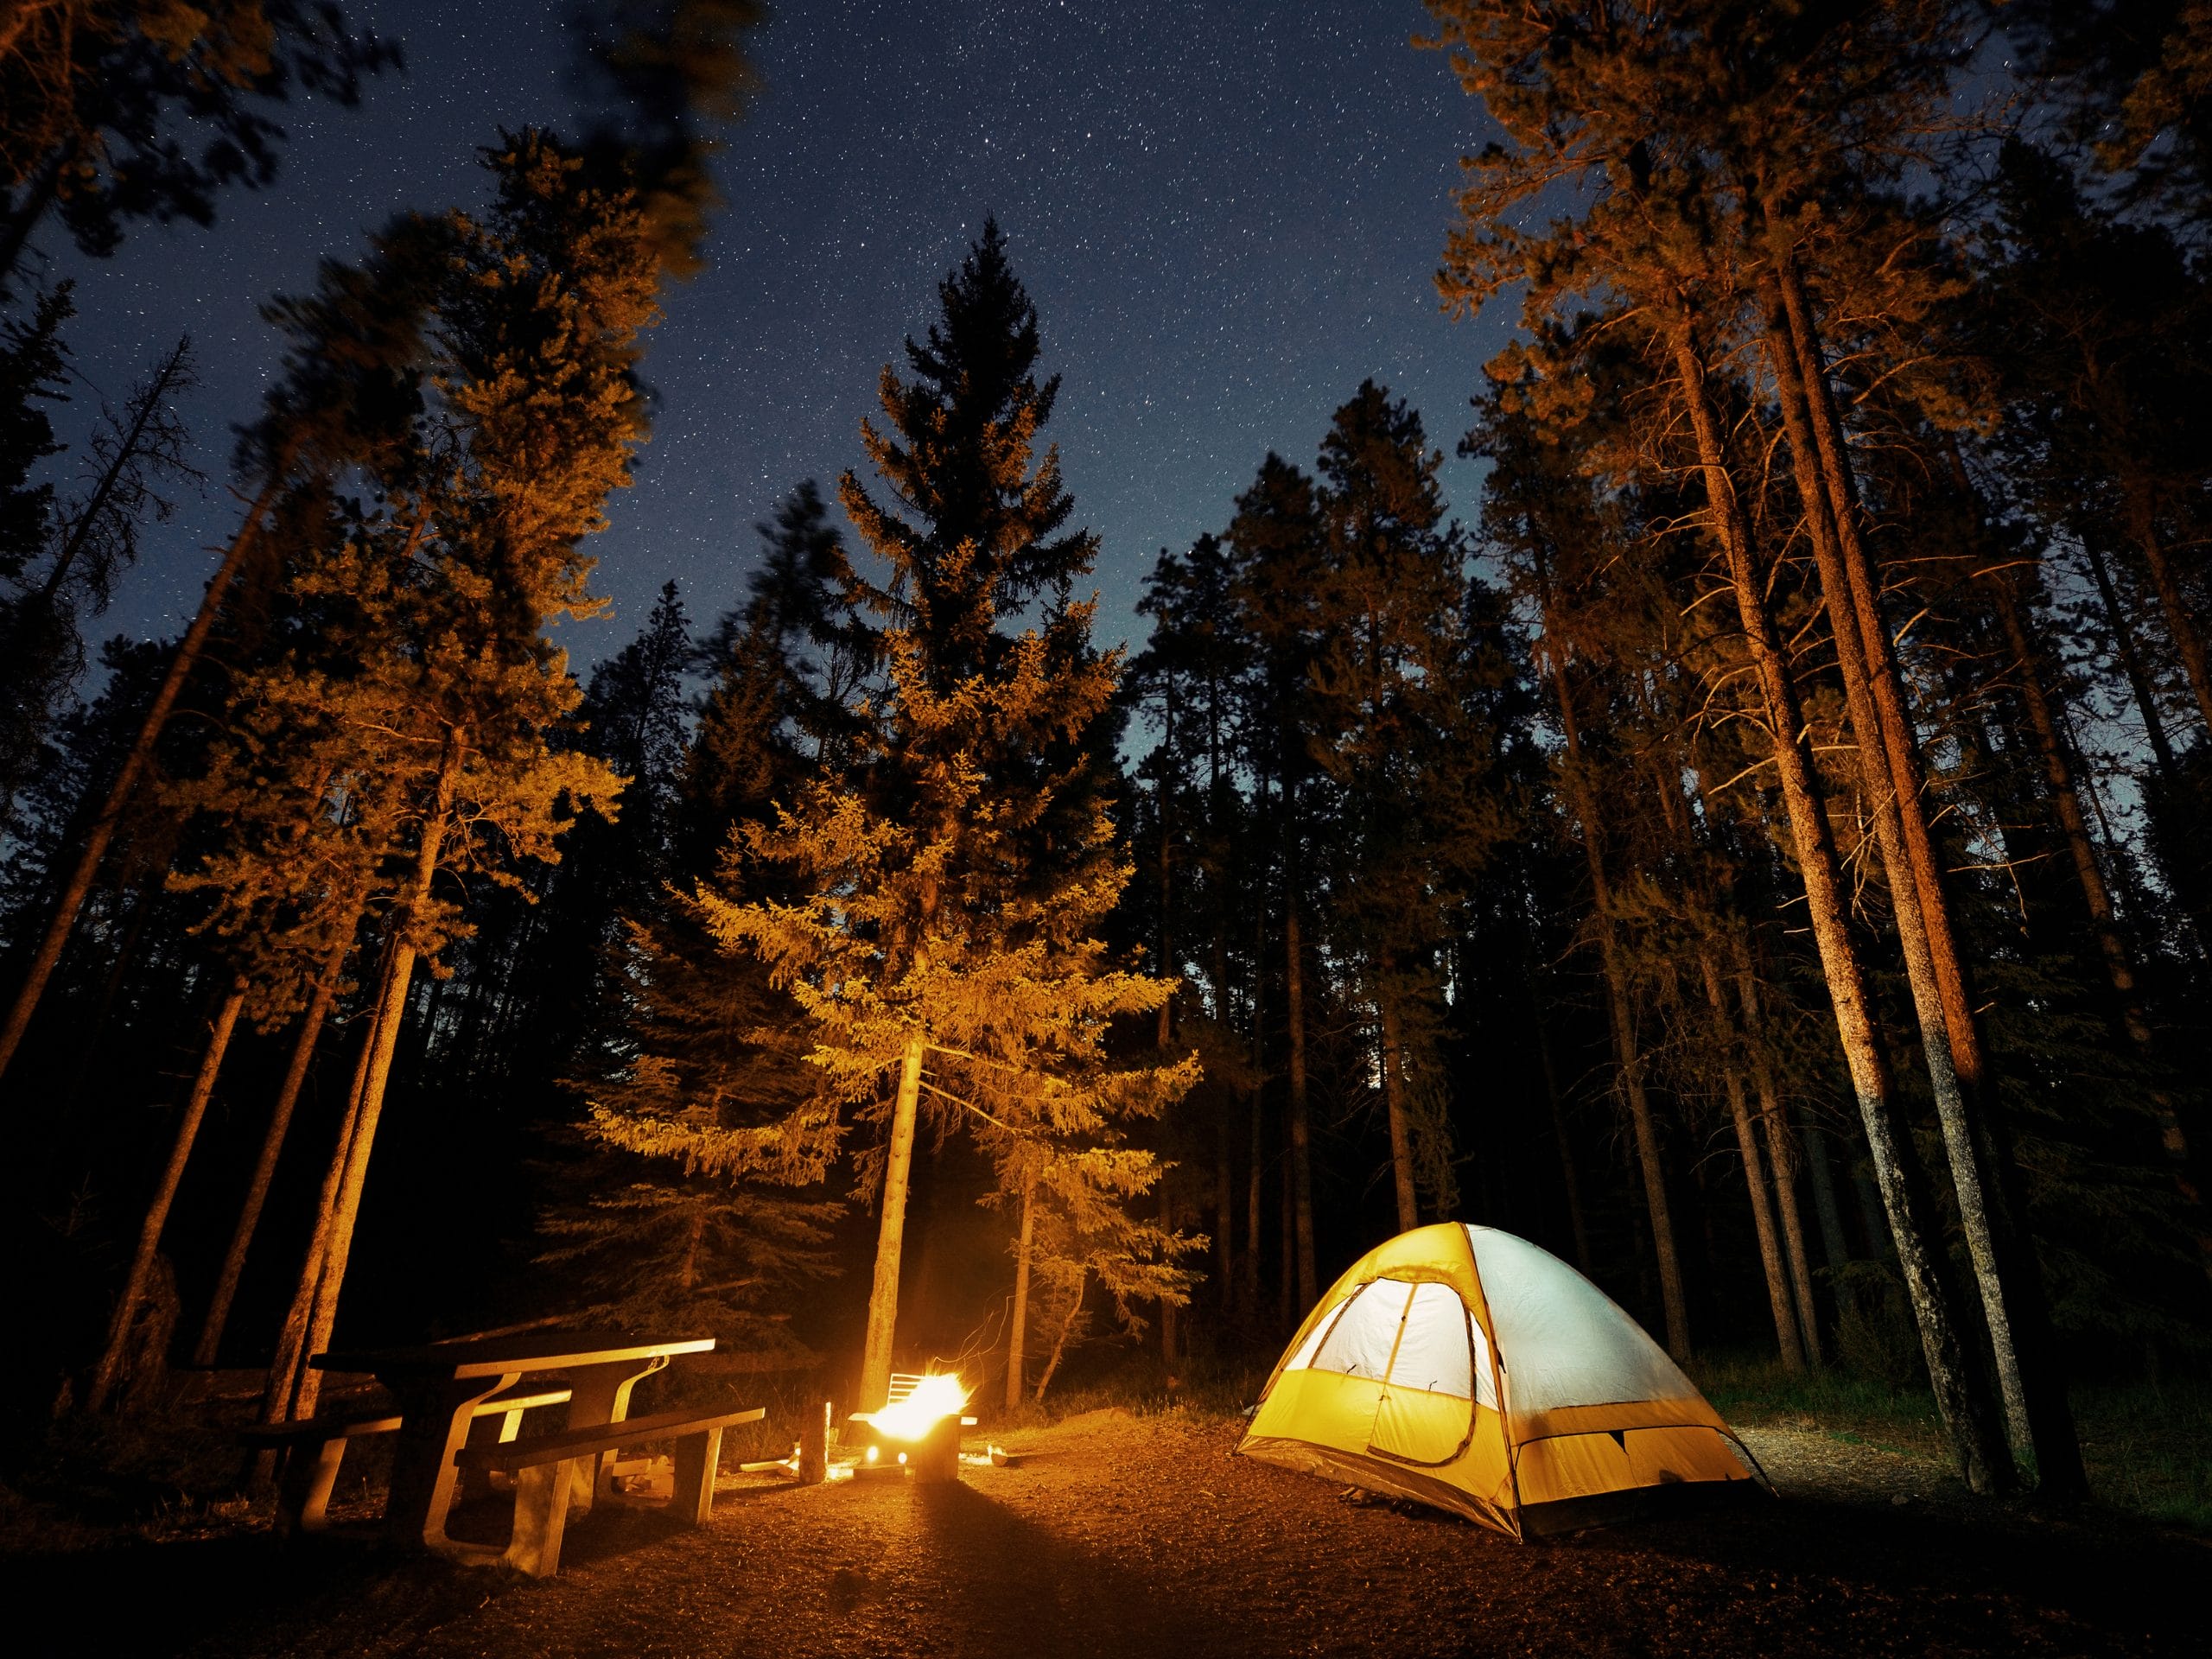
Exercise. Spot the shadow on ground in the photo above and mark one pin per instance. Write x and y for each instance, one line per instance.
(1146, 1536)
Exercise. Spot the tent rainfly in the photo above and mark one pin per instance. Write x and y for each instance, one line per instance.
(1465, 1368)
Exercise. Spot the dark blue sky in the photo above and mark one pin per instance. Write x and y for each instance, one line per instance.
(1227, 213)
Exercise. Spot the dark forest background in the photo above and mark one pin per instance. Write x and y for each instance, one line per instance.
(1757, 850)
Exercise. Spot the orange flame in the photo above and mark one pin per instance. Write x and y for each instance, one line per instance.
(934, 1397)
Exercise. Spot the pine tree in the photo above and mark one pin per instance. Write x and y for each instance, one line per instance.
(133, 453)
(688, 1202)
(347, 395)
(32, 366)
(948, 889)
(1735, 177)
(1391, 729)
(1279, 541)
(460, 701)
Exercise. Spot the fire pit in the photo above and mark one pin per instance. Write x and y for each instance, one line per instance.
(918, 1432)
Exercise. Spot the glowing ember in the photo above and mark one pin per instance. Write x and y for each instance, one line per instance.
(934, 1397)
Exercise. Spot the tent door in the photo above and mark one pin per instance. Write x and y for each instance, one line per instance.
(1426, 1406)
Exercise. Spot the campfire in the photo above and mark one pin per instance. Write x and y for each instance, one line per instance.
(919, 1427)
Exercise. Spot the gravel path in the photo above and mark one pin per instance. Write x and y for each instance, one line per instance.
(1146, 1536)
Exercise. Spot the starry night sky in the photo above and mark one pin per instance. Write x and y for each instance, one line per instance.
(1227, 212)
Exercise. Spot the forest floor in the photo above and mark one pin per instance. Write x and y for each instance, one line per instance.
(1143, 1535)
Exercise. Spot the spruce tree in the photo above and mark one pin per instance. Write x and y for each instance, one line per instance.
(948, 889)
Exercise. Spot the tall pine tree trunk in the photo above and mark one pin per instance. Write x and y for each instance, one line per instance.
(272, 1148)
(118, 1347)
(377, 1075)
(1628, 1059)
(1890, 801)
(1402, 1135)
(2130, 651)
(1984, 1177)
(1224, 1210)
(2119, 968)
(883, 1293)
(101, 831)
(1974, 1430)
(1836, 1248)
(1755, 1183)
(1302, 1124)
(1782, 1151)
(1569, 1173)
(1061, 1340)
(1167, 872)
(1017, 1340)
(1255, 1197)
(2173, 605)
(281, 1397)
(1255, 1192)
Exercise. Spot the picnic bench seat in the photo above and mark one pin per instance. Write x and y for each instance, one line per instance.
(317, 1447)
(543, 1465)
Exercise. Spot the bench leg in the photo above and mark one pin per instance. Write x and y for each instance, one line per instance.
(310, 1474)
(435, 1417)
(540, 1517)
(698, 1457)
(598, 1394)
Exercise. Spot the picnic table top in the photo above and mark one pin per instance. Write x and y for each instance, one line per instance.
(525, 1350)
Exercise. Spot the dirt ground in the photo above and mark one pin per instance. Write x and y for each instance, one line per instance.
(1145, 1535)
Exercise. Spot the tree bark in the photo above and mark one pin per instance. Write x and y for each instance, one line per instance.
(102, 829)
(1755, 1183)
(1254, 1192)
(1301, 1127)
(109, 1368)
(2073, 828)
(1984, 1175)
(2181, 622)
(1060, 1342)
(2130, 653)
(883, 1295)
(1782, 1152)
(1167, 874)
(1889, 775)
(1833, 1245)
(1017, 1341)
(1225, 1207)
(2096, 898)
(1977, 1440)
(281, 1397)
(272, 1148)
(1568, 1172)
(1255, 1196)
(384, 1040)
(1628, 1060)
(1402, 1137)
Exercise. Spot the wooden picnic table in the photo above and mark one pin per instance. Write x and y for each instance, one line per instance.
(437, 1386)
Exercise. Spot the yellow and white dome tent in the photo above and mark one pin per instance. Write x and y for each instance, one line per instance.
(1465, 1368)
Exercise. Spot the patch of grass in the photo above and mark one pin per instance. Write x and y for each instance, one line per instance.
(1860, 1410)
(2149, 1448)
(2147, 1445)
